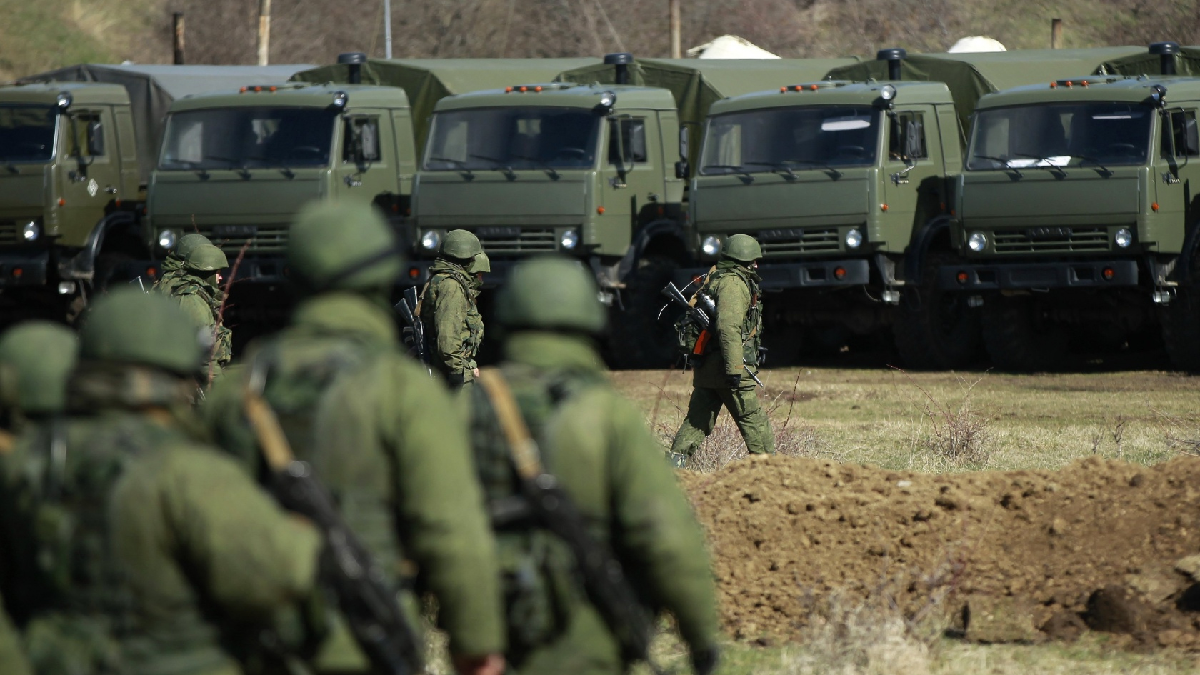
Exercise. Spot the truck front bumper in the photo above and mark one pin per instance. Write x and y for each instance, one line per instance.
(24, 270)
(815, 274)
(1005, 276)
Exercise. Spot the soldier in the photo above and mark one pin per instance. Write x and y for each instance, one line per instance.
(117, 556)
(446, 305)
(374, 427)
(723, 375)
(480, 265)
(172, 266)
(12, 658)
(595, 445)
(197, 287)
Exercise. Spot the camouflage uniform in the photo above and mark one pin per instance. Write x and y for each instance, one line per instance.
(196, 290)
(446, 310)
(597, 446)
(12, 658)
(377, 431)
(118, 558)
(720, 378)
(479, 264)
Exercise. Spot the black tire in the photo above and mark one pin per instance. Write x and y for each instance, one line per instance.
(108, 268)
(1180, 323)
(640, 338)
(1016, 340)
(933, 329)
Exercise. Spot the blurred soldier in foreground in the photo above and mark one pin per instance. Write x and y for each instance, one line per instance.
(197, 287)
(36, 358)
(725, 373)
(446, 306)
(577, 487)
(130, 546)
(374, 427)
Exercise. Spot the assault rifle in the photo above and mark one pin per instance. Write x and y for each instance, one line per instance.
(364, 595)
(407, 307)
(703, 316)
(552, 508)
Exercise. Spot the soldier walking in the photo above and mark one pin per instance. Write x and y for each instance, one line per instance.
(373, 426)
(549, 419)
(724, 374)
(446, 307)
(196, 285)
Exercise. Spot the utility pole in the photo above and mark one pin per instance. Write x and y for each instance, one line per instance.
(387, 28)
(177, 21)
(1055, 33)
(676, 39)
(264, 32)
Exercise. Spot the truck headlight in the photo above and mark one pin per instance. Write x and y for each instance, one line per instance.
(31, 231)
(167, 240)
(854, 238)
(431, 241)
(1123, 238)
(569, 240)
(977, 241)
(711, 245)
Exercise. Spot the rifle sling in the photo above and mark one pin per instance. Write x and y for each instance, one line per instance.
(267, 430)
(521, 445)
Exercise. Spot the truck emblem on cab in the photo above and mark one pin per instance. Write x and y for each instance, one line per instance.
(93, 187)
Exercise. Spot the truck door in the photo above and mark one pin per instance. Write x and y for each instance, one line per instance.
(126, 153)
(1179, 145)
(632, 188)
(912, 171)
(364, 171)
(87, 177)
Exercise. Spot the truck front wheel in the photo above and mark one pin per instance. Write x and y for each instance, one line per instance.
(1015, 337)
(1180, 322)
(640, 338)
(933, 329)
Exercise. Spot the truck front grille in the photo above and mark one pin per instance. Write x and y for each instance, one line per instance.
(265, 240)
(9, 233)
(1052, 239)
(798, 240)
(501, 241)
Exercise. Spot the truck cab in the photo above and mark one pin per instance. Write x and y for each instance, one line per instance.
(69, 185)
(237, 165)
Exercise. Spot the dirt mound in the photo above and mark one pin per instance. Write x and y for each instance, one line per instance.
(1095, 544)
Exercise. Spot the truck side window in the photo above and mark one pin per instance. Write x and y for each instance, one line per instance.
(902, 125)
(633, 132)
(367, 130)
(1185, 135)
(87, 134)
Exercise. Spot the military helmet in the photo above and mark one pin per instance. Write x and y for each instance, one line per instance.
(189, 242)
(38, 356)
(480, 263)
(461, 244)
(743, 248)
(127, 326)
(552, 293)
(342, 246)
(205, 258)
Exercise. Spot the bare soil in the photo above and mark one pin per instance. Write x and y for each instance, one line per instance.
(1094, 546)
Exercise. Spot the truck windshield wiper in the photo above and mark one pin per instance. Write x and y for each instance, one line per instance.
(776, 167)
(735, 168)
(456, 162)
(1004, 161)
(812, 162)
(497, 165)
(1093, 160)
(1044, 163)
(545, 166)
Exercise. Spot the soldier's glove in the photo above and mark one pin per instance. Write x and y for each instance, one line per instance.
(733, 381)
(704, 661)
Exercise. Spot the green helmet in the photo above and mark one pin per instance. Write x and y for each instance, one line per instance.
(342, 246)
(461, 244)
(189, 242)
(127, 326)
(39, 356)
(205, 258)
(743, 248)
(552, 293)
(479, 264)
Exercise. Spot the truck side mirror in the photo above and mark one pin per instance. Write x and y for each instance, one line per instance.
(616, 144)
(682, 169)
(912, 141)
(95, 139)
(683, 143)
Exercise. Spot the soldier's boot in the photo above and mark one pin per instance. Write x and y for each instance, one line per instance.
(678, 459)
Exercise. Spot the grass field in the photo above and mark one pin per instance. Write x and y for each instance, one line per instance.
(938, 422)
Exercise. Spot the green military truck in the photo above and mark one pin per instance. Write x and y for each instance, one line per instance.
(236, 165)
(1076, 210)
(593, 165)
(843, 179)
(77, 145)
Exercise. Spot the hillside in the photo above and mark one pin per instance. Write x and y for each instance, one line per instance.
(36, 36)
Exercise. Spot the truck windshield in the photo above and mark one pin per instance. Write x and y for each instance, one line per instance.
(243, 138)
(512, 138)
(1077, 134)
(27, 133)
(788, 139)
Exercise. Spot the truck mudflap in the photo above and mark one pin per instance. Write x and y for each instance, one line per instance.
(815, 274)
(992, 277)
(22, 270)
